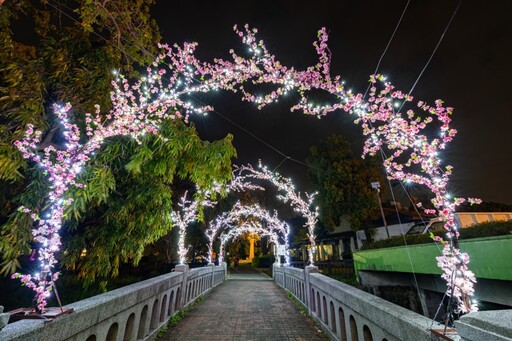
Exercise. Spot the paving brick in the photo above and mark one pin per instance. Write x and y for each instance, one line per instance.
(245, 308)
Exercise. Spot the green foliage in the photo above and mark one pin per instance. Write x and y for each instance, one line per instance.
(15, 233)
(131, 188)
(352, 280)
(176, 318)
(302, 308)
(264, 261)
(343, 182)
(488, 229)
(239, 247)
(162, 332)
(129, 201)
(66, 60)
(485, 206)
(58, 60)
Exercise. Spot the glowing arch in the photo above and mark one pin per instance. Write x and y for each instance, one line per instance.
(227, 226)
(140, 107)
(189, 208)
(289, 195)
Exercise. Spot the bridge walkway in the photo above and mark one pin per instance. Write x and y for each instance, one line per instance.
(248, 306)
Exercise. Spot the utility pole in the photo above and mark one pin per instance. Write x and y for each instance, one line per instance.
(376, 185)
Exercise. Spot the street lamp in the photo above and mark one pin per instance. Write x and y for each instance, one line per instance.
(376, 185)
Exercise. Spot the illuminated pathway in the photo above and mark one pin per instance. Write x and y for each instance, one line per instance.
(249, 306)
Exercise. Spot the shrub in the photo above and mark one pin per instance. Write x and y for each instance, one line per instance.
(265, 261)
(488, 229)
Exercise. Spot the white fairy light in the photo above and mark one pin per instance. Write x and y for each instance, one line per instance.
(288, 195)
(227, 227)
(379, 122)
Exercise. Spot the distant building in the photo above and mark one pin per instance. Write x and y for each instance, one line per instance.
(342, 241)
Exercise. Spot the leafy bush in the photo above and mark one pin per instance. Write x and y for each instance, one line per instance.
(488, 229)
(352, 280)
(265, 261)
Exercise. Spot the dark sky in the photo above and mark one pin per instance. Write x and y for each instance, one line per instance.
(470, 71)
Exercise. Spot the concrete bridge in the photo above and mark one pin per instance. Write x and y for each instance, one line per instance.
(248, 307)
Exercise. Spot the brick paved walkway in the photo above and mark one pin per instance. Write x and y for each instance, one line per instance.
(244, 309)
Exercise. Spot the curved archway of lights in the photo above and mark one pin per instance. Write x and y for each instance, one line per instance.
(227, 226)
(289, 195)
(240, 230)
(189, 208)
(413, 154)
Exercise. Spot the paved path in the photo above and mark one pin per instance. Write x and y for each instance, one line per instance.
(245, 272)
(248, 306)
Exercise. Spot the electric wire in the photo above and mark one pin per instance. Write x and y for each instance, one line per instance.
(383, 155)
(387, 46)
(287, 157)
(413, 87)
(439, 308)
(280, 164)
(433, 52)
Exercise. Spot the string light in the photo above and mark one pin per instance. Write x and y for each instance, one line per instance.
(140, 107)
(288, 195)
(227, 226)
(189, 209)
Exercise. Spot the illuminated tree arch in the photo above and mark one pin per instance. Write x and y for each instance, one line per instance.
(240, 230)
(189, 209)
(403, 137)
(238, 221)
(187, 213)
(288, 194)
(242, 177)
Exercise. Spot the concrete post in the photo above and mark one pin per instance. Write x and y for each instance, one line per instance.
(185, 269)
(4, 318)
(423, 302)
(225, 265)
(304, 255)
(284, 277)
(485, 325)
(322, 254)
(212, 277)
(353, 244)
(308, 270)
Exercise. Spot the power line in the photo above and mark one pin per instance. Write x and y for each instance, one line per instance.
(387, 46)
(287, 157)
(419, 76)
(383, 155)
(433, 52)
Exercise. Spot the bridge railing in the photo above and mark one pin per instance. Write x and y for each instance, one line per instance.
(347, 313)
(133, 312)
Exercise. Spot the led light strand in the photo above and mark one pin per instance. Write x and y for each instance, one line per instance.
(139, 108)
(227, 226)
(288, 194)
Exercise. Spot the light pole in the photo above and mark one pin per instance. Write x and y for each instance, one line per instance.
(376, 185)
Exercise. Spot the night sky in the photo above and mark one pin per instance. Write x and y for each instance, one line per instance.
(470, 71)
